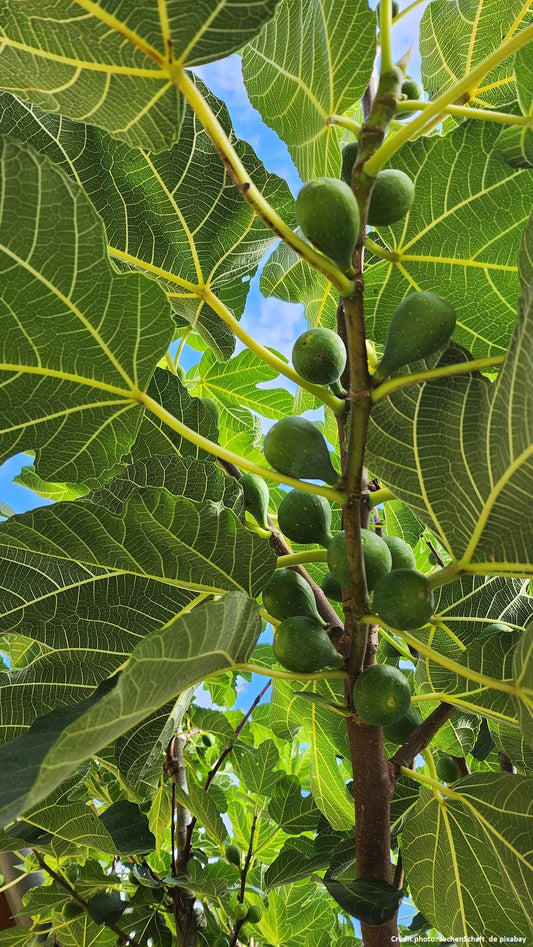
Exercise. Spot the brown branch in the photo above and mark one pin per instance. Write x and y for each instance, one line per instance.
(420, 737)
(125, 938)
(183, 898)
(242, 889)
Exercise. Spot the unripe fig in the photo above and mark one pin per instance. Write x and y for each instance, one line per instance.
(71, 910)
(422, 323)
(399, 731)
(294, 446)
(495, 628)
(221, 942)
(302, 645)
(319, 356)
(403, 599)
(381, 695)
(287, 594)
(331, 588)
(240, 912)
(402, 554)
(233, 854)
(348, 159)
(327, 212)
(376, 555)
(256, 497)
(255, 913)
(395, 8)
(305, 517)
(446, 769)
(213, 408)
(391, 199)
(414, 92)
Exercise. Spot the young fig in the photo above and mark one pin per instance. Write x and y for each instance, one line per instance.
(328, 214)
(302, 645)
(348, 159)
(305, 518)
(421, 324)
(319, 356)
(376, 556)
(295, 446)
(287, 594)
(256, 497)
(391, 199)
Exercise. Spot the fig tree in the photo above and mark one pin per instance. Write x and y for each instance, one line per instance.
(302, 645)
(256, 497)
(422, 323)
(327, 212)
(331, 588)
(391, 199)
(381, 695)
(376, 555)
(402, 554)
(287, 594)
(403, 599)
(305, 517)
(319, 356)
(294, 446)
(348, 159)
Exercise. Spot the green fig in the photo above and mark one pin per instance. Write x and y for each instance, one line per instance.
(414, 92)
(403, 600)
(421, 324)
(305, 518)
(319, 356)
(295, 446)
(213, 408)
(255, 913)
(256, 497)
(381, 695)
(395, 8)
(240, 912)
(376, 555)
(301, 645)
(399, 731)
(446, 769)
(287, 594)
(495, 628)
(71, 910)
(391, 198)
(331, 588)
(327, 212)
(233, 854)
(348, 159)
(402, 554)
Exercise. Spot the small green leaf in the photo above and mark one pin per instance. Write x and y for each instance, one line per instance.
(370, 900)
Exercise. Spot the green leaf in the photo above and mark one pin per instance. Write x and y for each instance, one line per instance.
(523, 676)
(181, 476)
(525, 255)
(313, 59)
(204, 807)
(69, 820)
(456, 35)
(157, 438)
(467, 857)
(80, 416)
(258, 768)
(371, 900)
(481, 435)
(118, 65)
(152, 221)
(236, 383)
(296, 860)
(128, 827)
(293, 812)
(515, 145)
(106, 908)
(214, 636)
(160, 814)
